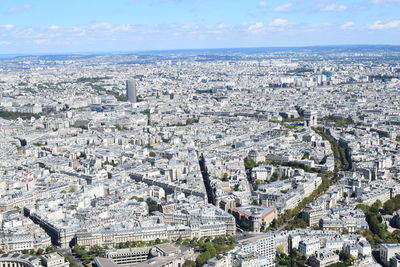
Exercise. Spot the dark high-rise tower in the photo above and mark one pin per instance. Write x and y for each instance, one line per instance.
(131, 91)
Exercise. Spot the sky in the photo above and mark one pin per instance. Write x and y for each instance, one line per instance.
(64, 26)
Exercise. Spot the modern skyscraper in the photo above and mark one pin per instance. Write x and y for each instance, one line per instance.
(131, 91)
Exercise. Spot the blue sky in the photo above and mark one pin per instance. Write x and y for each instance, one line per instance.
(59, 26)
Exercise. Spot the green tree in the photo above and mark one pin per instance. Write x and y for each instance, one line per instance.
(297, 223)
(71, 263)
(391, 205)
(189, 263)
(249, 163)
(233, 240)
(152, 204)
(211, 249)
(203, 258)
(274, 177)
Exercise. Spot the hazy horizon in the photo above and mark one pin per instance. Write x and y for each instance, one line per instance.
(150, 51)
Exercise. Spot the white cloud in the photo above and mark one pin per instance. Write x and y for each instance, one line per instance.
(124, 28)
(386, 1)
(279, 23)
(90, 34)
(262, 4)
(379, 25)
(78, 31)
(40, 41)
(335, 7)
(8, 26)
(110, 28)
(190, 26)
(284, 7)
(54, 27)
(257, 27)
(17, 9)
(5, 43)
(103, 25)
(217, 29)
(346, 26)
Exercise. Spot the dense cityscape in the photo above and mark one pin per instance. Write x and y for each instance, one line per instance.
(225, 157)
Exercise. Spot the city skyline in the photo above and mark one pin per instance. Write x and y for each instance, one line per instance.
(199, 133)
(194, 158)
(28, 27)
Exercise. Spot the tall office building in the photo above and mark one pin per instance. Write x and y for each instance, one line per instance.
(131, 91)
